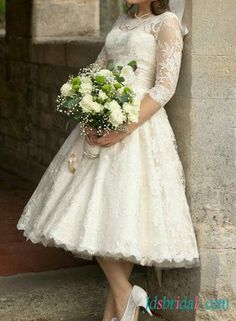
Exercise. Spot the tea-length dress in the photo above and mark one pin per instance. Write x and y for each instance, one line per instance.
(130, 202)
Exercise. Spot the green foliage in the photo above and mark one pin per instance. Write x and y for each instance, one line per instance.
(120, 79)
(70, 100)
(124, 98)
(110, 65)
(2, 7)
(133, 64)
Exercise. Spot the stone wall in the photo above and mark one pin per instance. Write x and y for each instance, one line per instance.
(31, 130)
(212, 172)
(109, 11)
(202, 115)
(67, 18)
(32, 70)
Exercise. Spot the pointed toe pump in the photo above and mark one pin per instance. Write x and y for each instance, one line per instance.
(138, 298)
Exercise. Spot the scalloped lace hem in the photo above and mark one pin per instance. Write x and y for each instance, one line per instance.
(89, 253)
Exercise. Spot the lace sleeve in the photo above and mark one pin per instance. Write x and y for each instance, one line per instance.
(169, 54)
(102, 57)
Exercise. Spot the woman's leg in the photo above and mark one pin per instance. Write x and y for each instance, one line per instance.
(117, 273)
(109, 310)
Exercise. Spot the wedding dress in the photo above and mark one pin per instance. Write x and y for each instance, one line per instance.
(130, 202)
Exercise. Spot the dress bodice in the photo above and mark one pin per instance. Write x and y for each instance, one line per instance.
(155, 43)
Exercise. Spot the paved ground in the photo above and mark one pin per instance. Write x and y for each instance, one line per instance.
(16, 254)
(75, 294)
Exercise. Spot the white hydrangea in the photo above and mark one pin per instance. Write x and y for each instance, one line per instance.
(112, 105)
(86, 86)
(89, 106)
(116, 117)
(66, 89)
(102, 95)
(132, 110)
(105, 72)
(128, 74)
(110, 78)
(120, 90)
(96, 107)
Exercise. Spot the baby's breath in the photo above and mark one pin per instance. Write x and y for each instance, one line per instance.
(81, 99)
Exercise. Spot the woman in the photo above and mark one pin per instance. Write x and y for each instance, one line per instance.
(128, 205)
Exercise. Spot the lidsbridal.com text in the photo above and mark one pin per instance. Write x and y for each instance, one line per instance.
(186, 303)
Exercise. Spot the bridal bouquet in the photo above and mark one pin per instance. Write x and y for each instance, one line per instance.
(102, 99)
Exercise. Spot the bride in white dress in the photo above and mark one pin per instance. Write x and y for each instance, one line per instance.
(128, 205)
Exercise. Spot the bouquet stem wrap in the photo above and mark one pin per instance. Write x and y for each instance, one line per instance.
(91, 151)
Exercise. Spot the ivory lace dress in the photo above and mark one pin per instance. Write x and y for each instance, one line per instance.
(130, 202)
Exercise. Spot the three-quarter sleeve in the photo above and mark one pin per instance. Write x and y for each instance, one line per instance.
(101, 60)
(169, 39)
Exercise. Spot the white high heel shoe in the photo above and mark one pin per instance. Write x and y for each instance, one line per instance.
(138, 298)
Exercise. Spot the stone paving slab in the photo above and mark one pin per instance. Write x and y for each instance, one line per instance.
(74, 294)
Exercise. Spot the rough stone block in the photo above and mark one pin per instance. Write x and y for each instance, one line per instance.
(213, 77)
(42, 100)
(57, 18)
(212, 33)
(82, 52)
(48, 52)
(45, 120)
(20, 26)
(38, 136)
(46, 76)
(221, 236)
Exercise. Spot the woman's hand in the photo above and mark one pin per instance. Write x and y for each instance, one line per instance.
(110, 139)
(148, 108)
(91, 134)
(107, 140)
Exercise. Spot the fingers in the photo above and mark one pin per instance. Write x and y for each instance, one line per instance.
(90, 135)
(105, 141)
(90, 131)
(101, 140)
(88, 139)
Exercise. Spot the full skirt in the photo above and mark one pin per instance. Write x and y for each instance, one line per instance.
(129, 203)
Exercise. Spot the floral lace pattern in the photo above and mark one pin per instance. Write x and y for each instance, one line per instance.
(130, 202)
(170, 45)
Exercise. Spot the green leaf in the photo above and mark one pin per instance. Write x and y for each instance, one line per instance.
(71, 103)
(123, 98)
(110, 65)
(120, 79)
(133, 64)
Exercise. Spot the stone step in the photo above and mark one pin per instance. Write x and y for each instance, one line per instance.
(74, 294)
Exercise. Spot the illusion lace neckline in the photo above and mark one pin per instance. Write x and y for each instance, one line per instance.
(127, 22)
(138, 19)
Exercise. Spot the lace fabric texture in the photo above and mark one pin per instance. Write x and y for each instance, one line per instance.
(167, 34)
(130, 202)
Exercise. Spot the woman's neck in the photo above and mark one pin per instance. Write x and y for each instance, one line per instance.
(143, 8)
